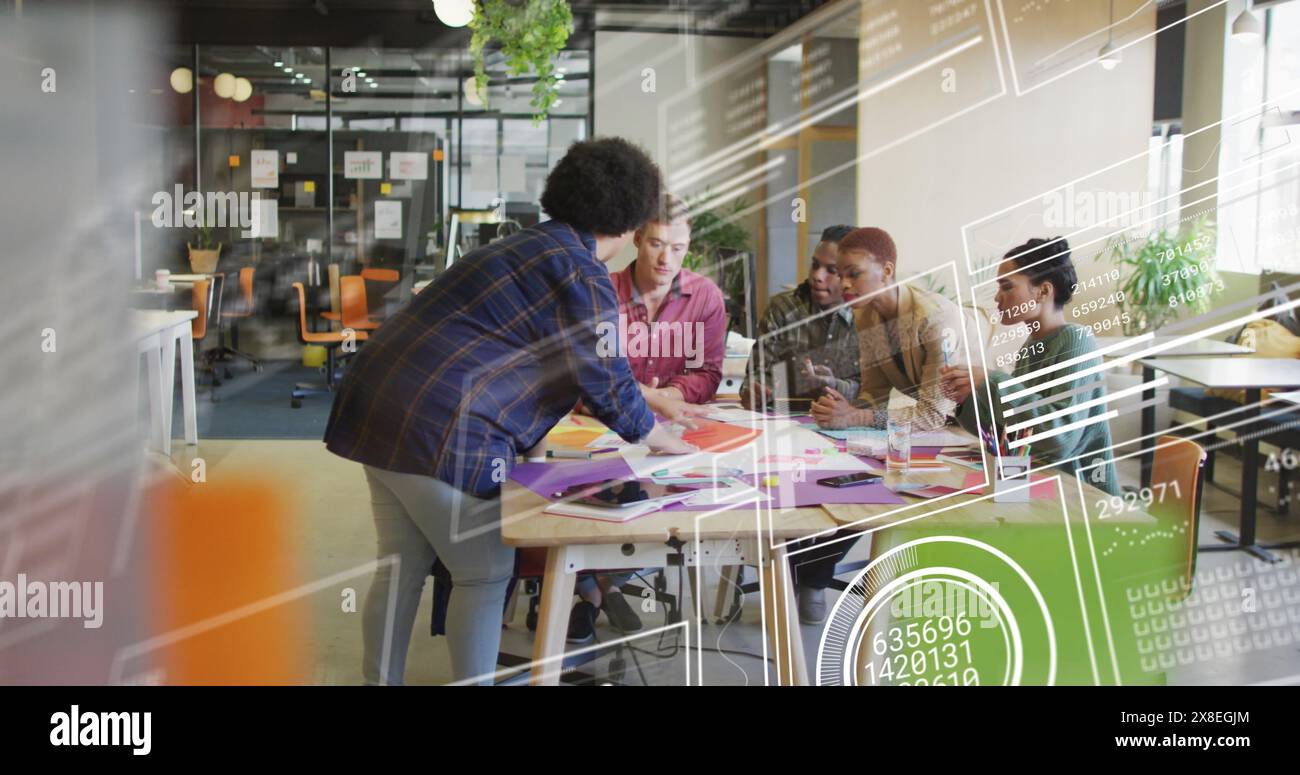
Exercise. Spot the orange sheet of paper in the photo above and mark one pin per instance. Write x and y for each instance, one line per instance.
(577, 438)
(712, 436)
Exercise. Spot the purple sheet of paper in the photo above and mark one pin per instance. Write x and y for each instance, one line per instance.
(790, 494)
(546, 479)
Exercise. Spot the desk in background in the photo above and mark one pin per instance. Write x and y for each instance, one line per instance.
(1197, 348)
(1251, 375)
(158, 335)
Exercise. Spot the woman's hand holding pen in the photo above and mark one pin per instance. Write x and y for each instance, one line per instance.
(957, 382)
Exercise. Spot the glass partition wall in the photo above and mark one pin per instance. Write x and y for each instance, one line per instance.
(351, 158)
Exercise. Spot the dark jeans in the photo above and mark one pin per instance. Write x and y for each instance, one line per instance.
(816, 567)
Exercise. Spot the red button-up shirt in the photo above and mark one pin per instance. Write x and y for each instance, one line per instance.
(685, 344)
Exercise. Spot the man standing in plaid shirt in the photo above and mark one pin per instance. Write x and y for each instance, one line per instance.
(475, 370)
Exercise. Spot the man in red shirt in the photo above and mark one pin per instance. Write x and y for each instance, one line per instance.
(675, 332)
(672, 328)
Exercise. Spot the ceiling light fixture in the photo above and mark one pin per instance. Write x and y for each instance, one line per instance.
(454, 13)
(1109, 56)
(470, 88)
(182, 80)
(1247, 27)
(224, 86)
(243, 89)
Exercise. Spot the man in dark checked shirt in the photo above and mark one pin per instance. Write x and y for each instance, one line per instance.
(475, 370)
(808, 342)
(807, 337)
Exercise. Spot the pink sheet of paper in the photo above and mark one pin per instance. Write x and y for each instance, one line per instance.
(1042, 487)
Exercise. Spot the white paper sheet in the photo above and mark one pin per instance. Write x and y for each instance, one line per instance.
(483, 172)
(266, 219)
(265, 169)
(388, 219)
(787, 450)
(404, 165)
(365, 165)
(513, 177)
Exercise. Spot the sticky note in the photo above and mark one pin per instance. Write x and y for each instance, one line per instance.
(234, 160)
(385, 188)
(437, 156)
(771, 481)
(309, 185)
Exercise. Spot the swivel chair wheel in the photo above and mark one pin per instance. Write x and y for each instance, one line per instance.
(296, 403)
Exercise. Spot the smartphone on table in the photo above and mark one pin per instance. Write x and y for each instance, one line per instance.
(851, 480)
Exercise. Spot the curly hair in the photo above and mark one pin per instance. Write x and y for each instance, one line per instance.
(875, 241)
(1047, 261)
(605, 185)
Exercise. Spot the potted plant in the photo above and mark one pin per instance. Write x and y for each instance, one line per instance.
(717, 239)
(529, 33)
(204, 251)
(1169, 274)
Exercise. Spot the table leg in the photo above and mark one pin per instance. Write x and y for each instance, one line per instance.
(188, 408)
(1245, 539)
(153, 362)
(167, 345)
(728, 579)
(1148, 426)
(693, 580)
(782, 623)
(553, 619)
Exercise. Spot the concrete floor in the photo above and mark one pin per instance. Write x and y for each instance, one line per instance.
(334, 529)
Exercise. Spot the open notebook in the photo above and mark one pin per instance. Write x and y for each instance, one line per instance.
(605, 514)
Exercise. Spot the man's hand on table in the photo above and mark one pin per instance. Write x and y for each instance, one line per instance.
(834, 411)
(667, 402)
(661, 441)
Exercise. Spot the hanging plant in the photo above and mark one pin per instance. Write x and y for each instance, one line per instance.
(530, 33)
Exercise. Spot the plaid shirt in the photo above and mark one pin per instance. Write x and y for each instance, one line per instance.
(482, 363)
(794, 328)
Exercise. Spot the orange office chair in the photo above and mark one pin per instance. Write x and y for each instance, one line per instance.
(352, 293)
(361, 320)
(330, 340)
(381, 275)
(204, 296)
(378, 284)
(1178, 506)
(243, 307)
